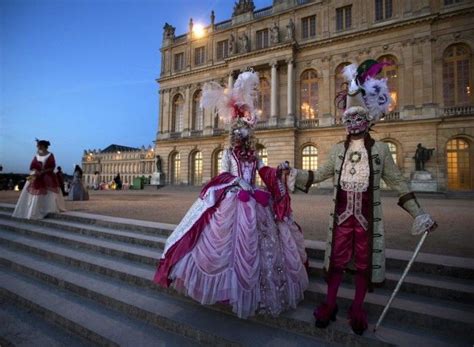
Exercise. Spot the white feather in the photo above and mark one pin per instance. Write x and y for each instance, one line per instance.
(349, 72)
(377, 97)
(217, 99)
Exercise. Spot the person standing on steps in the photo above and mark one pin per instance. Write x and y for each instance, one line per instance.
(238, 244)
(357, 165)
(41, 194)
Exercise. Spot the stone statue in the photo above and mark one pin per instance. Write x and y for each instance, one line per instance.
(244, 43)
(232, 49)
(274, 34)
(290, 30)
(213, 17)
(422, 155)
(243, 6)
(158, 163)
(168, 32)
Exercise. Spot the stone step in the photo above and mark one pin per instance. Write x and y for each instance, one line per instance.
(435, 264)
(82, 316)
(145, 255)
(22, 327)
(412, 308)
(161, 310)
(428, 285)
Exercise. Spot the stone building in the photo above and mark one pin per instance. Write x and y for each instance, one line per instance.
(299, 48)
(130, 162)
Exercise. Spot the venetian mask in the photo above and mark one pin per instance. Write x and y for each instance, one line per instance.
(355, 122)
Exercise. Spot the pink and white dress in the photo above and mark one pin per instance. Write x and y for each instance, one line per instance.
(232, 246)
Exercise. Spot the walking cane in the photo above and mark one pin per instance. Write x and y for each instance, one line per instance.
(402, 278)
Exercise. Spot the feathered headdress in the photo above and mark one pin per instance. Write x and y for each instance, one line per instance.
(233, 104)
(365, 93)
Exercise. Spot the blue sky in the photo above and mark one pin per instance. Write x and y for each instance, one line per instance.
(81, 73)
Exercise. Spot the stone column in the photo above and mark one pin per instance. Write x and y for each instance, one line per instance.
(230, 82)
(290, 90)
(274, 91)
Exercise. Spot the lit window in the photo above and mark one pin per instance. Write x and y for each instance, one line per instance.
(390, 72)
(459, 165)
(309, 94)
(176, 169)
(263, 156)
(197, 169)
(456, 76)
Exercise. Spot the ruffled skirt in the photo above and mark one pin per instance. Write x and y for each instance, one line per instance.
(246, 259)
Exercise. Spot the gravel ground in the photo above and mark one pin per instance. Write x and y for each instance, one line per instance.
(168, 205)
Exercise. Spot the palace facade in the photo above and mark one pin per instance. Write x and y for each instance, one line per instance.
(129, 162)
(299, 48)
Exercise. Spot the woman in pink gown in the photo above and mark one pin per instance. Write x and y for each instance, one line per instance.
(238, 244)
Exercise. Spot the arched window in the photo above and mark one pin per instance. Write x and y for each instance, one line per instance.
(339, 85)
(196, 161)
(178, 113)
(390, 72)
(216, 163)
(263, 156)
(198, 112)
(175, 173)
(218, 122)
(309, 158)
(309, 94)
(457, 75)
(459, 164)
(264, 99)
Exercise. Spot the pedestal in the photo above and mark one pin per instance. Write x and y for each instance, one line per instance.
(422, 181)
(157, 179)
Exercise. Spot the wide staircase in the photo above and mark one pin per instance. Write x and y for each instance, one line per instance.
(79, 279)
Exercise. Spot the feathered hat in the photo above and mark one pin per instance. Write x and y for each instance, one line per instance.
(365, 95)
(235, 105)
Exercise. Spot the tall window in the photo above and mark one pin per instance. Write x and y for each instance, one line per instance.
(199, 56)
(390, 72)
(456, 75)
(263, 156)
(264, 99)
(198, 112)
(339, 85)
(343, 17)
(262, 39)
(459, 165)
(308, 27)
(178, 113)
(178, 61)
(196, 178)
(383, 9)
(222, 49)
(309, 94)
(217, 161)
(175, 168)
(309, 158)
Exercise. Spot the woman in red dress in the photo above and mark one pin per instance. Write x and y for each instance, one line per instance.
(41, 194)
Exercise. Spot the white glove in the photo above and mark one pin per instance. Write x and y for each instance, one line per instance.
(244, 185)
(423, 222)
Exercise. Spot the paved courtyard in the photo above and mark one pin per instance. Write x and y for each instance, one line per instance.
(168, 205)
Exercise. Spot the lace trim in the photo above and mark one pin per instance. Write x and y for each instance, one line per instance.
(357, 181)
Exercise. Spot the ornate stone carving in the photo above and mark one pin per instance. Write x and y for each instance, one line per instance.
(168, 32)
(274, 34)
(244, 43)
(243, 6)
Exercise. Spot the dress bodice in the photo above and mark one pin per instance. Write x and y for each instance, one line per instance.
(240, 168)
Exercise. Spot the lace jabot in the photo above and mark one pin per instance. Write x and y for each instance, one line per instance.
(355, 170)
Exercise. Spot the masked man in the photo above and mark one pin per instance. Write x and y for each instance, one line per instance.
(356, 230)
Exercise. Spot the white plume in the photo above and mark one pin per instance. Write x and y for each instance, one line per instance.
(245, 88)
(349, 72)
(377, 97)
(217, 99)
